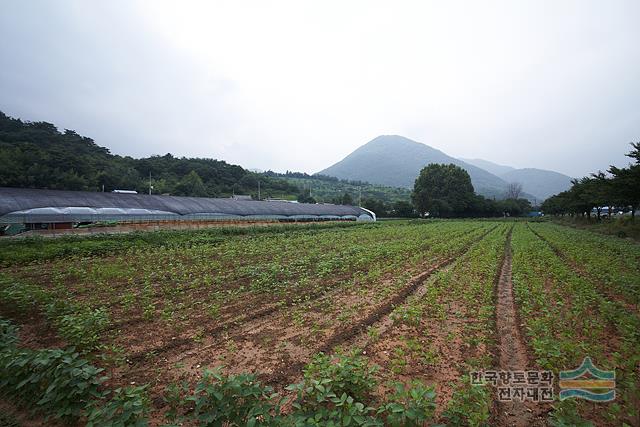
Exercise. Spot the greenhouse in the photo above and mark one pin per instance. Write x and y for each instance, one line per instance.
(34, 206)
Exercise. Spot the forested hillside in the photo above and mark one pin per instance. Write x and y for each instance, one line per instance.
(329, 189)
(37, 155)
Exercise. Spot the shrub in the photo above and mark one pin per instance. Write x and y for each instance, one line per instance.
(54, 381)
(344, 373)
(236, 400)
(128, 407)
(469, 406)
(410, 406)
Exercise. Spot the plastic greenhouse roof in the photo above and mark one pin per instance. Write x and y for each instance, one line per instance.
(34, 205)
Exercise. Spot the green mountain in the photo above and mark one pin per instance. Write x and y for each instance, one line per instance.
(396, 161)
(540, 183)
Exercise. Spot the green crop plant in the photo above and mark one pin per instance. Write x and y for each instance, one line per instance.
(410, 405)
(127, 406)
(62, 384)
(398, 361)
(469, 406)
(566, 315)
(575, 295)
(83, 328)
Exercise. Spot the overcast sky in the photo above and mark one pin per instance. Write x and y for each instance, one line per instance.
(298, 85)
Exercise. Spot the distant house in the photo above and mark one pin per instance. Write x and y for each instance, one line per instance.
(241, 197)
(125, 191)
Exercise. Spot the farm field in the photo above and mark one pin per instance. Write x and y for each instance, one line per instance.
(355, 324)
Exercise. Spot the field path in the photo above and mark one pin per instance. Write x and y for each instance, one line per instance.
(512, 352)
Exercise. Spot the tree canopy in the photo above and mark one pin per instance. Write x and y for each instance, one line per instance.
(442, 190)
(619, 188)
(446, 191)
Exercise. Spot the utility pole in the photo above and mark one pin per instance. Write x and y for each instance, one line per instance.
(360, 196)
(258, 189)
(150, 186)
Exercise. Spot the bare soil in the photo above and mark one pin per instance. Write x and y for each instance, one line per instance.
(512, 352)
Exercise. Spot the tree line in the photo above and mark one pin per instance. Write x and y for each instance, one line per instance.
(445, 191)
(37, 155)
(617, 189)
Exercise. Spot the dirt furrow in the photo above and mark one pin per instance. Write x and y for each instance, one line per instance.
(380, 315)
(512, 352)
(272, 344)
(239, 325)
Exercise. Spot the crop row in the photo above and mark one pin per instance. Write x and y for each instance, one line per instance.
(566, 319)
(37, 249)
(367, 289)
(446, 330)
(191, 291)
(613, 262)
(318, 324)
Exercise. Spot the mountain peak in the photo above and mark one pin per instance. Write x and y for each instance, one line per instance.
(391, 139)
(396, 161)
(396, 143)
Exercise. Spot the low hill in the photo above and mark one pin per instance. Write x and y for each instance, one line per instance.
(328, 189)
(37, 155)
(540, 183)
(396, 161)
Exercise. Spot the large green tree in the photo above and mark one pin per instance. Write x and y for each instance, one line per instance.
(443, 191)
